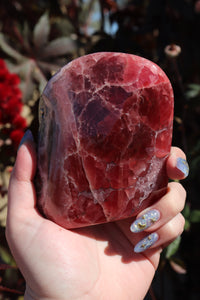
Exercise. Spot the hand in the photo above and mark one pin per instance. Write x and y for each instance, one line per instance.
(96, 262)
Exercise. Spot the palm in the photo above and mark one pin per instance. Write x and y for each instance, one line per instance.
(89, 261)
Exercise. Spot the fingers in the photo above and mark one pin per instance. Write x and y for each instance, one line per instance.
(170, 231)
(163, 236)
(177, 166)
(162, 222)
(162, 211)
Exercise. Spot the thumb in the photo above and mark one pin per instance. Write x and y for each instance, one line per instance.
(25, 165)
(23, 219)
(21, 191)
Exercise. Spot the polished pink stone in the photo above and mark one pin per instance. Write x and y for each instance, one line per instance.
(105, 134)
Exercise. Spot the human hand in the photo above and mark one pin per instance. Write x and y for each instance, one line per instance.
(96, 262)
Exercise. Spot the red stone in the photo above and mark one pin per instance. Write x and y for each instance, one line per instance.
(105, 134)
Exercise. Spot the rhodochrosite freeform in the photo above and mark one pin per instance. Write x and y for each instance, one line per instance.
(105, 133)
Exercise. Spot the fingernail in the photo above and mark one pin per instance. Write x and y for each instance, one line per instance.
(146, 243)
(145, 221)
(27, 137)
(183, 166)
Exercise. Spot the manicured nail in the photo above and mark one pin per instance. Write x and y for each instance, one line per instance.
(183, 166)
(145, 221)
(27, 137)
(146, 243)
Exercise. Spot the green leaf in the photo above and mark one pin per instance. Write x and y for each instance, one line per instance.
(186, 211)
(194, 90)
(9, 50)
(49, 67)
(173, 247)
(26, 35)
(187, 225)
(194, 86)
(60, 46)
(6, 257)
(195, 216)
(41, 31)
(64, 26)
(192, 93)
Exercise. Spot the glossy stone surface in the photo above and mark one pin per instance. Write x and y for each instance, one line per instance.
(105, 133)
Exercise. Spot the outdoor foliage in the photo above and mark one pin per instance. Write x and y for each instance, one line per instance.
(38, 37)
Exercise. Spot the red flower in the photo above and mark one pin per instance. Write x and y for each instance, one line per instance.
(19, 122)
(11, 105)
(16, 136)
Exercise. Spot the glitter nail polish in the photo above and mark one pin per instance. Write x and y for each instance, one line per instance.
(183, 166)
(146, 243)
(145, 221)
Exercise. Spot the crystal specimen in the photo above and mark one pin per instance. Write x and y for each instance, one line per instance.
(104, 137)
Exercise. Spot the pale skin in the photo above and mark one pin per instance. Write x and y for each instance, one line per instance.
(91, 263)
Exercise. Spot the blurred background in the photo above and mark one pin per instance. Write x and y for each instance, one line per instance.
(38, 37)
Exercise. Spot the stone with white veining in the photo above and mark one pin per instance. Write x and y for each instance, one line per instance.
(105, 134)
